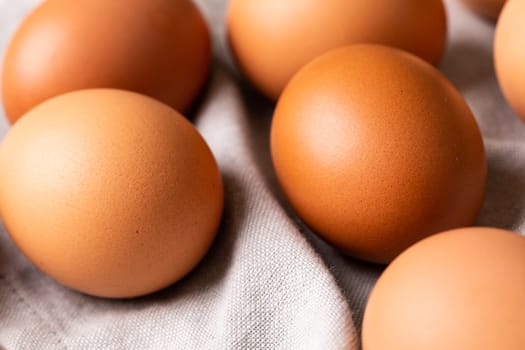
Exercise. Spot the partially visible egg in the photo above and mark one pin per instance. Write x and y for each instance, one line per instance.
(509, 54)
(272, 39)
(459, 290)
(109, 192)
(375, 149)
(487, 8)
(160, 48)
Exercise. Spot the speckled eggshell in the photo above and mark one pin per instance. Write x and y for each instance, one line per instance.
(460, 290)
(375, 149)
(509, 54)
(487, 8)
(272, 39)
(109, 192)
(159, 48)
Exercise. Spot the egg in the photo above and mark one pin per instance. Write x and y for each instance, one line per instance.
(272, 39)
(110, 193)
(160, 48)
(375, 150)
(459, 290)
(487, 8)
(509, 55)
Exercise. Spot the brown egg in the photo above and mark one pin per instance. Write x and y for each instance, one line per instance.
(509, 55)
(375, 149)
(109, 192)
(487, 8)
(460, 290)
(273, 39)
(160, 48)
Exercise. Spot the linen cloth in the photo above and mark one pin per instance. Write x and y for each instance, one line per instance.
(268, 282)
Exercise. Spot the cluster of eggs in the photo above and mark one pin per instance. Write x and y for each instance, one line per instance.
(380, 155)
(105, 186)
(115, 194)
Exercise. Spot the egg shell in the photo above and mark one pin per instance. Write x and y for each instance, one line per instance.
(460, 290)
(272, 39)
(509, 54)
(109, 192)
(160, 48)
(375, 150)
(487, 8)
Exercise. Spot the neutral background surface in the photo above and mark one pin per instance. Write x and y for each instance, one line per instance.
(267, 283)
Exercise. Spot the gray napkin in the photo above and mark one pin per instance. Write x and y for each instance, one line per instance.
(268, 282)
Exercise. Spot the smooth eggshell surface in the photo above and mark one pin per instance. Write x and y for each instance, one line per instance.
(160, 48)
(509, 54)
(375, 149)
(109, 192)
(487, 8)
(272, 39)
(460, 290)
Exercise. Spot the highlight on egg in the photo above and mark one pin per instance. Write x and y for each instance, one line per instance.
(160, 48)
(272, 39)
(375, 149)
(458, 290)
(109, 192)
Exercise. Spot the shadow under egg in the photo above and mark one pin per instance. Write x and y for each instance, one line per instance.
(468, 64)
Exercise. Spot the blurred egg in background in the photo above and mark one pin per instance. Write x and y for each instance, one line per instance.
(272, 39)
(509, 55)
(458, 290)
(159, 48)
